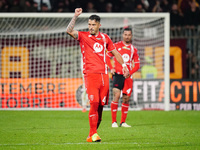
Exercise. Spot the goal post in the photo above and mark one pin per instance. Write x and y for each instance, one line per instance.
(40, 65)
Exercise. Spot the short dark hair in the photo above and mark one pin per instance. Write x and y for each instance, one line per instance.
(127, 29)
(95, 17)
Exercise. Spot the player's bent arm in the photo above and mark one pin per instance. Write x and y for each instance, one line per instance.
(121, 61)
(108, 62)
(118, 56)
(136, 61)
(135, 68)
(70, 28)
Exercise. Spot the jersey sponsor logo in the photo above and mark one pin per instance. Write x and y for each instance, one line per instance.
(119, 49)
(97, 47)
(125, 57)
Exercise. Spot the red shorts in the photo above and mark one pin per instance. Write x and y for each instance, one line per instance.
(128, 86)
(97, 87)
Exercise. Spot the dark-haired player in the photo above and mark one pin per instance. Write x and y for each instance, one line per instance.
(129, 54)
(93, 48)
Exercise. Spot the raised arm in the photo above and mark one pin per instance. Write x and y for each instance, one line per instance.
(70, 28)
(121, 61)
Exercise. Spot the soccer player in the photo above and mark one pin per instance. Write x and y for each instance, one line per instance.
(130, 55)
(93, 48)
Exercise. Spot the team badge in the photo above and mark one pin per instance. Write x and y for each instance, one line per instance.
(91, 97)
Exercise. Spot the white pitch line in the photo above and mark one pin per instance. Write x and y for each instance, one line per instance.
(85, 143)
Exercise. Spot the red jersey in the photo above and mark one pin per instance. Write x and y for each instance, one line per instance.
(129, 54)
(93, 49)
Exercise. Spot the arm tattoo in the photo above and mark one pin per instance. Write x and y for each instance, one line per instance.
(75, 35)
(71, 25)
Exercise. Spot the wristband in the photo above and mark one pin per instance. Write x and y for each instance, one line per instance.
(123, 65)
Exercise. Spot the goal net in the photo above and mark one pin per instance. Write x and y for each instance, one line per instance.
(40, 65)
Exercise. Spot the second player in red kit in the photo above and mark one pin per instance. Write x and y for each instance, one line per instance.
(130, 55)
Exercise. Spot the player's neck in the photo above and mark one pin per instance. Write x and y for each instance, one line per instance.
(96, 34)
(126, 43)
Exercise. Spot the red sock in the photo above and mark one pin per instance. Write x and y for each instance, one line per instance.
(93, 118)
(114, 106)
(124, 110)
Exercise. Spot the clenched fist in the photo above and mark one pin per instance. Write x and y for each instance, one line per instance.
(78, 11)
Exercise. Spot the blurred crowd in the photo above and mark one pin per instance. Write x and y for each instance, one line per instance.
(182, 12)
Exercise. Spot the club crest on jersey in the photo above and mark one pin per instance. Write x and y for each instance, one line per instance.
(91, 97)
(97, 47)
(126, 48)
(125, 57)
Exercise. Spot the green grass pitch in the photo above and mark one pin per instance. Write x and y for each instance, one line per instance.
(57, 130)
